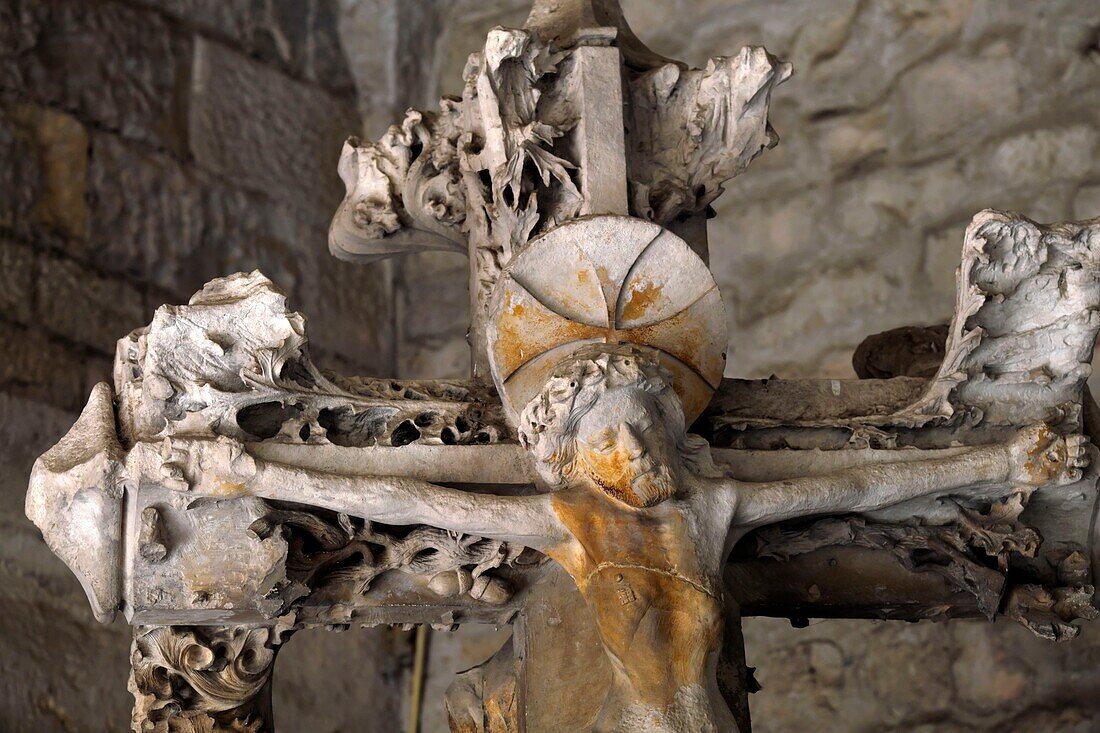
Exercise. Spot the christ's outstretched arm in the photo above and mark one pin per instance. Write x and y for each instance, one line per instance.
(526, 520)
(1035, 457)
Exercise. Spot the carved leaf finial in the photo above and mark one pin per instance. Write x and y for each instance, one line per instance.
(404, 192)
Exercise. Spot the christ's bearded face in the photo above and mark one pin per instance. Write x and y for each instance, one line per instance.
(610, 419)
(624, 447)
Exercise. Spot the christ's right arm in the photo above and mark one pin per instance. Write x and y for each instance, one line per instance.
(526, 520)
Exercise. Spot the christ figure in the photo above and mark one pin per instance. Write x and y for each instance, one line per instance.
(640, 516)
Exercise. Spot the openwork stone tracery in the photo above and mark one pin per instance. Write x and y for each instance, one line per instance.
(227, 492)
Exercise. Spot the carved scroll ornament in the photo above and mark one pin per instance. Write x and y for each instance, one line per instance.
(404, 192)
(203, 679)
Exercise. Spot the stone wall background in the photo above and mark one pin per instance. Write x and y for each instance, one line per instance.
(145, 148)
(903, 120)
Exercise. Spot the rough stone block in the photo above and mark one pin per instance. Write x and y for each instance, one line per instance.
(1039, 157)
(313, 691)
(351, 313)
(257, 232)
(447, 358)
(60, 147)
(350, 307)
(234, 20)
(156, 221)
(159, 221)
(97, 368)
(299, 37)
(86, 307)
(849, 141)
(21, 442)
(115, 65)
(146, 217)
(435, 305)
(264, 131)
(63, 672)
(303, 37)
(17, 266)
(20, 175)
(1086, 204)
(942, 254)
(951, 97)
(39, 368)
(369, 30)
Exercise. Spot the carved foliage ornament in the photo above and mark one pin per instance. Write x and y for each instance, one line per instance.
(203, 679)
(328, 553)
(234, 362)
(695, 129)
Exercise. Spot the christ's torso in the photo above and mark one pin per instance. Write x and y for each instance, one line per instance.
(657, 608)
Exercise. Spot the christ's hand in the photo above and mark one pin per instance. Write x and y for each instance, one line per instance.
(1041, 456)
(218, 467)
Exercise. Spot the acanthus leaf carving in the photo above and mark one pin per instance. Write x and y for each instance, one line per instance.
(695, 129)
(203, 679)
(1049, 613)
(234, 362)
(530, 187)
(1019, 344)
(404, 192)
(973, 552)
(1017, 350)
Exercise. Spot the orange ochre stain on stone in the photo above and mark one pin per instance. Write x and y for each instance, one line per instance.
(612, 472)
(525, 332)
(509, 343)
(641, 298)
(229, 489)
(1041, 467)
(653, 620)
(681, 337)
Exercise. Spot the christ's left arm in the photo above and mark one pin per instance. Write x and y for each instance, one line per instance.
(1035, 457)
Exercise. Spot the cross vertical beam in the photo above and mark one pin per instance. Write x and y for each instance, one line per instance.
(596, 80)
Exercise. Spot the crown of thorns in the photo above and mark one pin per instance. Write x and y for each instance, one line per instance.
(575, 385)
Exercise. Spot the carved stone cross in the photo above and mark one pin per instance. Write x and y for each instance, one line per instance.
(227, 492)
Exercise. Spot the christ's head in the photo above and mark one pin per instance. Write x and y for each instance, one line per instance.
(609, 416)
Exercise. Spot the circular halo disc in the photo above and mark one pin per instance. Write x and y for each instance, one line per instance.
(606, 279)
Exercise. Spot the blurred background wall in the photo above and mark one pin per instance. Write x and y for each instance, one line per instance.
(147, 146)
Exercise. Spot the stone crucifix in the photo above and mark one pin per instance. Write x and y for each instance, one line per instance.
(227, 492)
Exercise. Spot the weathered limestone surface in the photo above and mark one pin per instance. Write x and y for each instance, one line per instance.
(120, 189)
(891, 116)
(902, 120)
